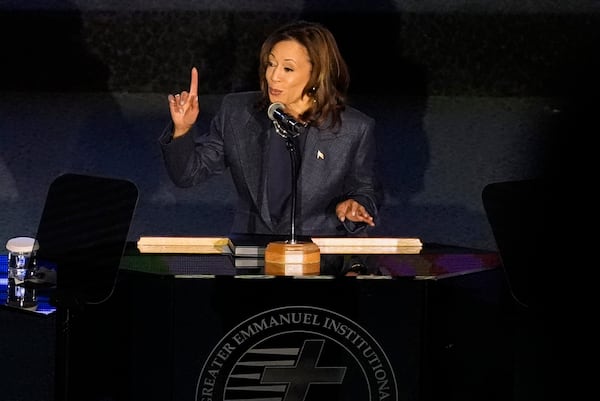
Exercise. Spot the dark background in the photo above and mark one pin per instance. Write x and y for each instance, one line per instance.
(463, 95)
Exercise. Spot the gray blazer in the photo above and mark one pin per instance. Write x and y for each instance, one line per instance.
(333, 167)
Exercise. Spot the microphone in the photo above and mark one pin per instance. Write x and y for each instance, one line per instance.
(287, 122)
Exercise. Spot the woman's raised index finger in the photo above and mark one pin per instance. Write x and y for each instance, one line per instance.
(194, 82)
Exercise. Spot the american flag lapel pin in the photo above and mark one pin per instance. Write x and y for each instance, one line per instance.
(320, 155)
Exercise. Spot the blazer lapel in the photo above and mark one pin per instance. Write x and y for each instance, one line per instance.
(253, 150)
(311, 169)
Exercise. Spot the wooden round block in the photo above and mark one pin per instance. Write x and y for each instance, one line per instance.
(297, 259)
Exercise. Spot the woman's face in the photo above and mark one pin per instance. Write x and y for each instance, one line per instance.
(287, 73)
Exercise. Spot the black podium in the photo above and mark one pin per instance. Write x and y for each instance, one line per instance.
(192, 327)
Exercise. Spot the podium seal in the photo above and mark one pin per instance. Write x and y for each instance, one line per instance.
(297, 353)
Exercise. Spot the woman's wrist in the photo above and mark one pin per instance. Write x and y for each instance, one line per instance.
(177, 132)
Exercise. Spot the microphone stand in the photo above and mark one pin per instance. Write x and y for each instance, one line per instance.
(291, 146)
(292, 257)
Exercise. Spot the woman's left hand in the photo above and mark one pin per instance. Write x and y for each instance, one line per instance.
(353, 211)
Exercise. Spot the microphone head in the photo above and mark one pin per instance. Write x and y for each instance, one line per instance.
(273, 108)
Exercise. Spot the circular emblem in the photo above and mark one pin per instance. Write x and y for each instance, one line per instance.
(297, 353)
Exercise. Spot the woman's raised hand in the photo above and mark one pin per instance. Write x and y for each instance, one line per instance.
(185, 107)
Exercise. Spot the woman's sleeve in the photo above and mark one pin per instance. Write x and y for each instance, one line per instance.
(194, 157)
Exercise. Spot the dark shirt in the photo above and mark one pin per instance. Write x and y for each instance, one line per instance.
(280, 179)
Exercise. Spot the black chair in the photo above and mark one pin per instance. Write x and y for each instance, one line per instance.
(82, 234)
(516, 213)
(526, 220)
